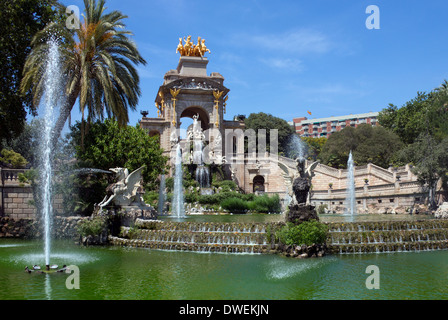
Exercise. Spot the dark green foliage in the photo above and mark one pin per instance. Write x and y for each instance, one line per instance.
(219, 197)
(265, 204)
(80, 193)
(225, 185)
(308, 233)
(151, 197)
(232, 201)
(21, 19)
(426, 113)
(109, 146)
(12, 159)
(99, 62)
(368, 144)
(430, 160)
(234, 204)
(261, 120)
(92, 227)
(422, 124)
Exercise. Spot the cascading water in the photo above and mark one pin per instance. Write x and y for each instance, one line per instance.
(197, 151)
(51, 101)
(178, 196)
(203, 176)
(351, 197)
(202, 172)
(162, 195)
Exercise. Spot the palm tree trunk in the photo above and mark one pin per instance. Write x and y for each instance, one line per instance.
(66, 109)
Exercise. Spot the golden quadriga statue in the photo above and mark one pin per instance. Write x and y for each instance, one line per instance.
(190, 49)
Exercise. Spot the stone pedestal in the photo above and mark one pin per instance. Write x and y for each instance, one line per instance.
(131, 213)
(299, 213)
(192, 66)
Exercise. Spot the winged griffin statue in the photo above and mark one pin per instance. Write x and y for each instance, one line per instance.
(125, 191)
(299, 181)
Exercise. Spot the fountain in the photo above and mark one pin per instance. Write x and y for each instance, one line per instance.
(351, 197)
(162, 195)
(203, 176)
(52, 99)
(300, 208)
(296, 147)
(178, 194)
(202, 173)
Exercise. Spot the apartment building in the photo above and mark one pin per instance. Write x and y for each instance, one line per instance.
(324, 127)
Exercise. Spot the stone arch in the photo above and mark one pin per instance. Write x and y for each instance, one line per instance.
(258, 184)
(204, 117)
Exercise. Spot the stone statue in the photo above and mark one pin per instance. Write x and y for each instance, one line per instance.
(302, 181)
(299, 209)
(126, 190)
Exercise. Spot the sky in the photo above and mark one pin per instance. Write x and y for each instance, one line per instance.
(289, 57)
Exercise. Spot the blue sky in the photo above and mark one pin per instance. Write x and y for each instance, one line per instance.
(287, 57)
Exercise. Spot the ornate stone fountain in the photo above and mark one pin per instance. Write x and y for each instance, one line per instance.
(300, 209)
(125, 196)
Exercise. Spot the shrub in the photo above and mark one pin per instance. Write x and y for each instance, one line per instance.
(190, 197)
(151, 197)
(12, 159)
(234, 204)
(92, 227)
(265, 204)
(225, 185)
(307, 233)
(217, 198)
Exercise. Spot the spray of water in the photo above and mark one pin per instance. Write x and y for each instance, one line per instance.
(162, 194)
(296, 147)
(50, 107)
(178, 196)
(351, 198)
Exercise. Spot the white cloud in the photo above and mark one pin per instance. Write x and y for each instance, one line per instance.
(300, 41)
(145, 73)
(283, 63)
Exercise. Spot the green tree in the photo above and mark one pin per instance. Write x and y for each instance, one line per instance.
(12, 159)
(430, 160)
(315, 146)
(21, 19)
(427, 112)
(107, 145)
(368, 144)
(261, 120)
(99, 62)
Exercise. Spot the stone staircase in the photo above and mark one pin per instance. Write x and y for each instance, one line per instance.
(388, 236)
(194, 236)
(252, 238)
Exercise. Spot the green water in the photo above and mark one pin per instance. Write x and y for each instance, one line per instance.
(121, 273)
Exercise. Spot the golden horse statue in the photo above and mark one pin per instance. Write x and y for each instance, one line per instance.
(190, 49)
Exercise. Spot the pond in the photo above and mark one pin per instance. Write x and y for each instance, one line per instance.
(123, 273)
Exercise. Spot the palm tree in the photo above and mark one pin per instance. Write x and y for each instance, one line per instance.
(98, 65)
